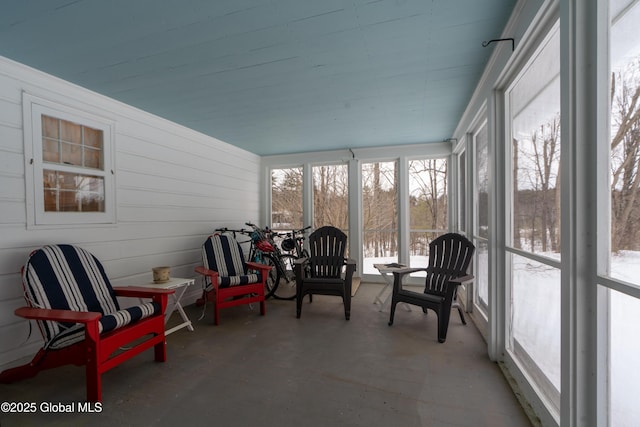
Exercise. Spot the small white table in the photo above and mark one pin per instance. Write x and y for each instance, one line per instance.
(175, 283)
(386, 271)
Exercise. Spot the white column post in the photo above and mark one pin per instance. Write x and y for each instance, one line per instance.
(580, 130)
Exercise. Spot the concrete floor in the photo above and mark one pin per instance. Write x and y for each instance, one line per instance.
(319, 370)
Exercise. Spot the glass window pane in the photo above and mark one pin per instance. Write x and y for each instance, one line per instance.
(624, 263)
(535, 322)
(286, 199)
(462, 191)
(535, 101)
(482, 182)
(50, 200)
(625, 141)
(50, 127)
(67, 201)
(481, 273)
(379, 214)
(624, 351)
(92, 137)
(75, 146)
(50, 150)
(71, 154)
(331, 196)
(92, 158)
(71, 192)
(427, 206)
(70, 132)
(534, 220)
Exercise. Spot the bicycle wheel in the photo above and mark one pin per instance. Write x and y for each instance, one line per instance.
(272, 281)
(286, 288)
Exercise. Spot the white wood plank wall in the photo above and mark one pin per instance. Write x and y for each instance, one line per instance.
(174, 186)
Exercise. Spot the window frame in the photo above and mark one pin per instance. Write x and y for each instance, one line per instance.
(33, 109)
(537, 378)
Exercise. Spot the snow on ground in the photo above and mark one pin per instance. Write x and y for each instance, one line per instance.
(535, 323)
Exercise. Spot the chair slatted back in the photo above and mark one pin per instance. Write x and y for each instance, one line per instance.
(223, 254)
(327, 247)
(449, 258)
(66, 277)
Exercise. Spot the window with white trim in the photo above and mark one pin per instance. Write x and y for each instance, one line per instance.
(619, 242)
(69, 165)
(533, 228)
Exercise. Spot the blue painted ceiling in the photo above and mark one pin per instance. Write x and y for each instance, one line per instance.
(270, 76)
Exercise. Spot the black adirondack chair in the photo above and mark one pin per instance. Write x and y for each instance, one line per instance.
(449, 259)
(322, 272)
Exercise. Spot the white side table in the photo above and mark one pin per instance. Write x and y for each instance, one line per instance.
(175, 283)
(386, 271)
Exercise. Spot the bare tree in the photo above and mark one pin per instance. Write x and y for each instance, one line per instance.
(379, 201)
(625, 157)
(286, 198)
(538, 186)
(330, 196)
(428, 201)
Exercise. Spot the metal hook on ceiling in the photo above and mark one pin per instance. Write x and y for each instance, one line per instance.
(513, 43)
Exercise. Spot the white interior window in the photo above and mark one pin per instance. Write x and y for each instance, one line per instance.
(69, 165)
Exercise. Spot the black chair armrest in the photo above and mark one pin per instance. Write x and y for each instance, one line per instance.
(399, 274)
(463, 279)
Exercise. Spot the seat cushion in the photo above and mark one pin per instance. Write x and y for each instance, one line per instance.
(239, 280)
(107, 323)
(67, 277)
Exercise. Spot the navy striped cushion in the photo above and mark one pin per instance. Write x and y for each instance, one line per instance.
(70, 278)
(222, 253)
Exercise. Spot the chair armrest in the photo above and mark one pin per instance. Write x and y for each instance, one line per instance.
(350, 265)
(212, 274)
(140, 292)
(407, 270)
(399, 274)
(462, 279)
(58, 315)
(259, 266)
(206, 271)
(159, 296)
(350, 269)
(300, 270)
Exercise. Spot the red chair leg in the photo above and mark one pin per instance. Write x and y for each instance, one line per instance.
(94, 382)
(160, 351)
(216, 314)
(263, 308)
(22, 372)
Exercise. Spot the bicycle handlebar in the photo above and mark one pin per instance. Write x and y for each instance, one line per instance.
(230, 230)
(265, 230)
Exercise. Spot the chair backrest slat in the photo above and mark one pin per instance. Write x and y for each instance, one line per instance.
(327, 246)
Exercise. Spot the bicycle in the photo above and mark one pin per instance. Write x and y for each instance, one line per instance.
(281, 283)
(282, 280)
(291, 248)
(260, 250)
